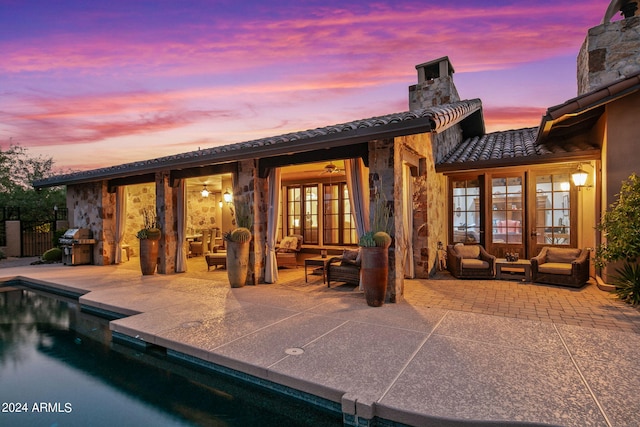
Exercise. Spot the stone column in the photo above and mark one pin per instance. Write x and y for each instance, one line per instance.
(166, 199)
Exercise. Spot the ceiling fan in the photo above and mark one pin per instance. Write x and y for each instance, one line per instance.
(331, 169)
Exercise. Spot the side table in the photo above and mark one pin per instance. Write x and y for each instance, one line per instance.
(316, 261)
(522, 265)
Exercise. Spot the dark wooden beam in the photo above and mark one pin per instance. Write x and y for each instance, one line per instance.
(328, 154)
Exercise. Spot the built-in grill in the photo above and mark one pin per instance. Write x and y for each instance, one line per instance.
(77, 246)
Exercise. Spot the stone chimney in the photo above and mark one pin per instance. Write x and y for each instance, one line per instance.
(435, 85)
(611, 51)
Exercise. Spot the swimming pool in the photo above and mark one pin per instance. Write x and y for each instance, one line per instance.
(58, 366)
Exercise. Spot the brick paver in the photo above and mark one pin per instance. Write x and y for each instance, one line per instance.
(588, 306)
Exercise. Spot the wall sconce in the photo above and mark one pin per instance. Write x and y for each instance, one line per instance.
(227, 197)
(220, 204)
(580, 177)
(204, 192)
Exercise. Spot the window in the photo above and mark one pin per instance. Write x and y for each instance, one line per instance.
(302, 212)
(339, 227)
(466, 211)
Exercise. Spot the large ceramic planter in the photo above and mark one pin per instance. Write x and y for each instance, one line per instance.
(237, 263)
(148, 256)
(374, 270)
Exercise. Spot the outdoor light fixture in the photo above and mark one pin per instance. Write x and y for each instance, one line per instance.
(227, 197)
(204, 192)
(579, 177)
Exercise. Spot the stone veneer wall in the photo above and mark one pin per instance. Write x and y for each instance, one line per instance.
(429, 199)
(382, 181)
(244, 191)
(139, 198)
(433, 92)
(610, 52)
(90, 205)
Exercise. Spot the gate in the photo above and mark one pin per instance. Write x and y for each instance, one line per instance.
(37, 237)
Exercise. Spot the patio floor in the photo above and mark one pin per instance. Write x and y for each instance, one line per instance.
(475, 351)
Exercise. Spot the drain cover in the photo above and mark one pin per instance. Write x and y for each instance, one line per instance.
(294, 351)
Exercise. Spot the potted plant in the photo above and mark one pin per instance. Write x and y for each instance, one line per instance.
(620, 225)
(374, 264)
(238, 245)
(149, 237)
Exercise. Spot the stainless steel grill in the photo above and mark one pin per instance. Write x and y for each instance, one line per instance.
(77, 246)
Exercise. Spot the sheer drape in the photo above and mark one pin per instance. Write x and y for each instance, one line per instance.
(121, 220)
(358, 185)
(273, 216)
(181, 249)
(407, 221)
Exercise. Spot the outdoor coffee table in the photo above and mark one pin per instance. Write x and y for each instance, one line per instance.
(316, 261)
(522, 265)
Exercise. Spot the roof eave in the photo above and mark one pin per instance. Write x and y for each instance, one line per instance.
(587, 102)
(391, 130)
(584, 155)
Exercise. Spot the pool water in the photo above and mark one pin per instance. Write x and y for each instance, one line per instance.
(58, 367)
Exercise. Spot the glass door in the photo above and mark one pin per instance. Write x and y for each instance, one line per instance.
(507, 215)
(466, 213)
(554, 217)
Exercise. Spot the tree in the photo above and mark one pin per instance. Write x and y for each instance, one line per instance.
(18, 169)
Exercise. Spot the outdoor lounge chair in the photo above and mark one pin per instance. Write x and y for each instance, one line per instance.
(345, 268)
(287, 251)
(470, 262)
(561, 266)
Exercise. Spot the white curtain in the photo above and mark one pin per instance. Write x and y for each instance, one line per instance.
(273, 216)
(121, 220)
(407, 221)
(358, 185)
(181, 249)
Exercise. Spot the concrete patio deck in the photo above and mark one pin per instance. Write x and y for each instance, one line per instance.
(452, 353)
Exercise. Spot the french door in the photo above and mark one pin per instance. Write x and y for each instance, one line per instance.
(507, 214)
(515, 211)
(553, 216)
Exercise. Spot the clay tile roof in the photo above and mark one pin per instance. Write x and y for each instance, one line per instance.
(433, 119)
(508, 148)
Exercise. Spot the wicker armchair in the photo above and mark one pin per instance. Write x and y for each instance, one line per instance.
(345, 268)
(470, 262)
(561, 266)
(286, 253)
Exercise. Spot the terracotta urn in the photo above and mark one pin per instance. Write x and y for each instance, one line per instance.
(374, 270)
(148, 256)
(237, 263)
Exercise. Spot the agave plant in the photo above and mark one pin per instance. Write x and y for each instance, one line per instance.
(627, 283)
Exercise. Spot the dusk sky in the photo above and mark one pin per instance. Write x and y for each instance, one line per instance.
(104, 82)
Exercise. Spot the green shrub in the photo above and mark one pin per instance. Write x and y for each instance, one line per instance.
(627, 283)
(2, 254)
(52, 255)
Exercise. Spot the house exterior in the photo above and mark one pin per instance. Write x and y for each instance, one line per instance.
(444, 177)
